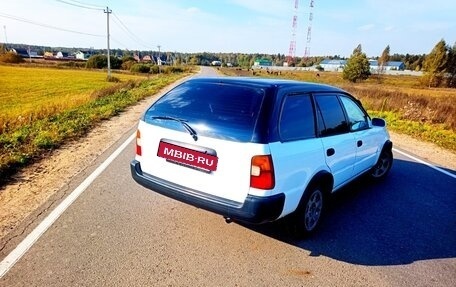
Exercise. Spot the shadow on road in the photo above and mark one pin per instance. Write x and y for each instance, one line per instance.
(408, 217)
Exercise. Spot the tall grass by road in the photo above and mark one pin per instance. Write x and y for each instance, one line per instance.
(41, 109)
(408, 106)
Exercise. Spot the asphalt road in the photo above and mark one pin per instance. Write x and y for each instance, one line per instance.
(399, 232)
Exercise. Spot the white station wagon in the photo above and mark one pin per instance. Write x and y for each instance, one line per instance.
(257, 150)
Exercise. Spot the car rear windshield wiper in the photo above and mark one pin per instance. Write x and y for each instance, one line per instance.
(183, 122)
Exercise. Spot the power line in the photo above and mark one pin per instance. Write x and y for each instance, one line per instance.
(130, 33)
(87, 4)
(46, 26)
(81, 5)
(116, 20)
(120, 43)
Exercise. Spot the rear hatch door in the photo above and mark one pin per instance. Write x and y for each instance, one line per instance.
(203, 136)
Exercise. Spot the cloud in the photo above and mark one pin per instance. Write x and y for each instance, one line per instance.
(389, 28)
(269, 7)
(366, 27)
(193, 10)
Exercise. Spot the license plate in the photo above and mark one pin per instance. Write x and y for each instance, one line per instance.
(187, 157)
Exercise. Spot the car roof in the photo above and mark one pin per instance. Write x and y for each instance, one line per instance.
(268, 83)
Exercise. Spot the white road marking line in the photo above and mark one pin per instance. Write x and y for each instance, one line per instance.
(426, 163)
(28, 242)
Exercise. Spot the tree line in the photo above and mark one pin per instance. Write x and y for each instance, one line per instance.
(243, 60)
(439, 66)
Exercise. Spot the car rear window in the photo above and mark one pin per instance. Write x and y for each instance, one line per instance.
(216, 110)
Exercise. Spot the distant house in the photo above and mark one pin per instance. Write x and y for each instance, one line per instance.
(216, 63)
(62, 55)
(82, 55)
(147, 58)
(262, 63)
(49, 55)
(21, 52)
(25, 53)
(161, 62)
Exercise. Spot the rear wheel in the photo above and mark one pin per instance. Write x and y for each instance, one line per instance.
(306, 218)
(383, 165)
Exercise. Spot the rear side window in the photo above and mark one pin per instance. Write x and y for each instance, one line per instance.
(331, 118)
(211, 109)
(297, 118)
(356, 116)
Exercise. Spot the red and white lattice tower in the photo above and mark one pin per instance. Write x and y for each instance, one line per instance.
(292, 50)
(309, 31)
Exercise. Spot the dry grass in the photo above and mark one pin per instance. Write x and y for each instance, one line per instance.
(424, 106)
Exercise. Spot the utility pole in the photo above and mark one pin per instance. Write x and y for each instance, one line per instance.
(6, 38)
(159, 59)
(107, 11)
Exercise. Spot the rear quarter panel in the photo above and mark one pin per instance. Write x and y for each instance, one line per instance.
(295, 164)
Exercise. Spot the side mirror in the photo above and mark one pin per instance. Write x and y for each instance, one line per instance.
(378, 122)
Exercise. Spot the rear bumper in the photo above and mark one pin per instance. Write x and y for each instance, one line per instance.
(254, 209)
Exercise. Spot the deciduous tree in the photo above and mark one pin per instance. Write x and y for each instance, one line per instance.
(357, 67)
(383, 60)
(435, 64)
(451, 67)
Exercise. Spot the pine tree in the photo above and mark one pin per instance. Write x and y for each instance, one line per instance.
(435, 64)
(357, 67)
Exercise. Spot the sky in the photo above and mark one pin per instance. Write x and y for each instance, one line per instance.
(238, 26)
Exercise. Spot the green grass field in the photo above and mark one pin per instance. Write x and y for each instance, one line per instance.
(28, 94)
(42, 108)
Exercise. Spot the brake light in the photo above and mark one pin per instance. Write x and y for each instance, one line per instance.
(138, 143)
(262, 172)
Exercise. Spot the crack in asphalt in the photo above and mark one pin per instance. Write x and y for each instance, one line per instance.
(7, 239)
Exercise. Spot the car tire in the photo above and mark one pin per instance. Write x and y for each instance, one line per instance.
(306, 219)
(383, 165)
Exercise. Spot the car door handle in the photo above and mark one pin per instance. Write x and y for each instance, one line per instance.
(330, 152)
(359, 143)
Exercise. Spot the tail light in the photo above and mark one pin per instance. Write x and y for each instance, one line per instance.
(138, 143)
(262, 172)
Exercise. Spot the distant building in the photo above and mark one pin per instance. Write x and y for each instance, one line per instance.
(25, 53)
(333, 65)
(49, 55)
(161, 62)
(147, 58)
(83, 55)
(21, 52)
(216, 63)
(390, 66)
(62, 55)
(338, 65)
